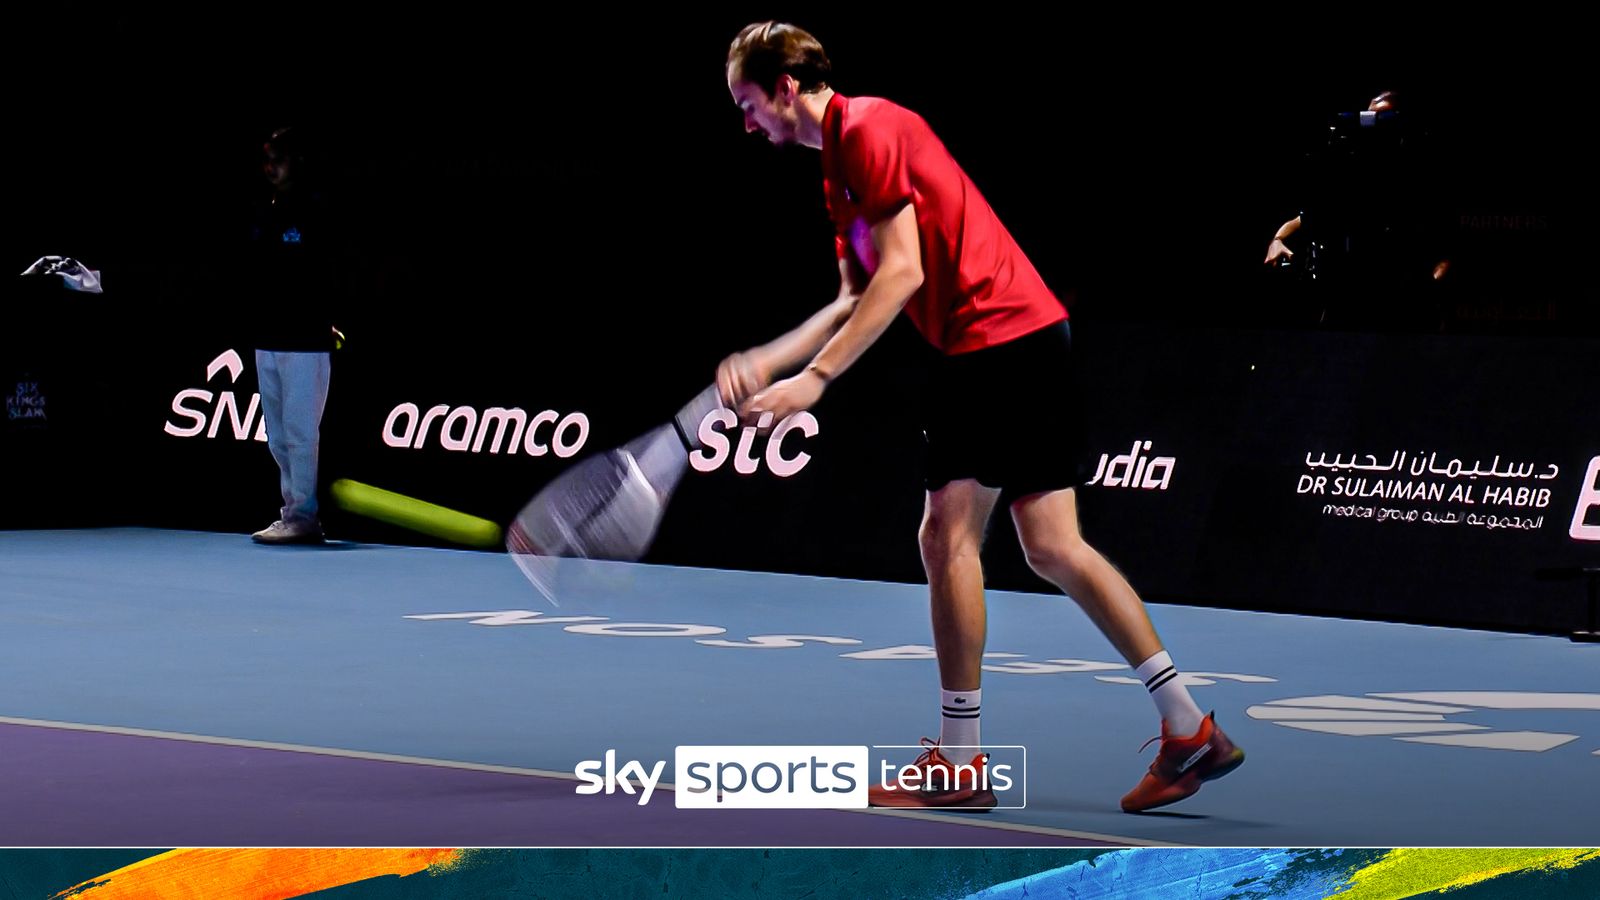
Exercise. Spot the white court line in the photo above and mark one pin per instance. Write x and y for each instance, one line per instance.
(965, 820)
(290, 748)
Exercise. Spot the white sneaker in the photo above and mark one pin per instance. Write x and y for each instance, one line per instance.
(281, 532)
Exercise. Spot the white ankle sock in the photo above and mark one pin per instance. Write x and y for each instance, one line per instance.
(1172, 699)
(959, 723)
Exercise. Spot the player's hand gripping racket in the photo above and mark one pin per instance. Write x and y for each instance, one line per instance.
(610, 505)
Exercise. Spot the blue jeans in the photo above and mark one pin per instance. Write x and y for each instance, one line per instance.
(294, 390)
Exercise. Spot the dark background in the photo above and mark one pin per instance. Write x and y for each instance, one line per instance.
(560, 210)
(589, 167)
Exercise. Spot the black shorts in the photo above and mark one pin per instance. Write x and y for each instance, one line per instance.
(1007, 416)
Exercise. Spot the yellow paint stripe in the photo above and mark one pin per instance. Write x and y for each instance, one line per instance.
(1410, 872)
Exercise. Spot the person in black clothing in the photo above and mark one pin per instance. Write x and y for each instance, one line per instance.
(1372, 231)
(291, 261)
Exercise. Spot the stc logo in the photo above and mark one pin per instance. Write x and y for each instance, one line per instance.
(465, 431)
(1588, 502)
(718, 447)
(1134, 470)
(193, 404)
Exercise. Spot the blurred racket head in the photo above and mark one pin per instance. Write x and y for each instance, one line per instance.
(608, 506)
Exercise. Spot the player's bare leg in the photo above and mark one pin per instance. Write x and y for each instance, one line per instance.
(1193, 750)
(951, 537)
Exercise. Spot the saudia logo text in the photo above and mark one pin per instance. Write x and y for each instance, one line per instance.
(1135, 470)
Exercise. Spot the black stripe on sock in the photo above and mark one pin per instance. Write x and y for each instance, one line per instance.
(961, 709)
(1171, 674)
(951, 715)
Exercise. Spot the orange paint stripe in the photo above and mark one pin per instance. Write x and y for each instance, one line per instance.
(252, 874)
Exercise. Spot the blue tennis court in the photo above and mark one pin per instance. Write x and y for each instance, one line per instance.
(170, 688)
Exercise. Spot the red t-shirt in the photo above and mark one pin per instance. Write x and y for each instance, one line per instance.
(978, 288)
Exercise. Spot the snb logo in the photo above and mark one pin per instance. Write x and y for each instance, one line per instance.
(1588, 506)
(1135, 470)
(191, 404)
(718, 448)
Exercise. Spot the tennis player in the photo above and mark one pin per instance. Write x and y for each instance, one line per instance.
(914, 234)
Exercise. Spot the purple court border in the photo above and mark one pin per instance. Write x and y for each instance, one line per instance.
(77, 788)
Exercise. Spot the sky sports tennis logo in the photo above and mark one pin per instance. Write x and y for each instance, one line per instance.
(805, 777)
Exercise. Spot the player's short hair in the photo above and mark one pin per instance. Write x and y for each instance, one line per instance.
(765, 51)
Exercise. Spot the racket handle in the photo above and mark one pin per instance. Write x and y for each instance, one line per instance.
(687, 421)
